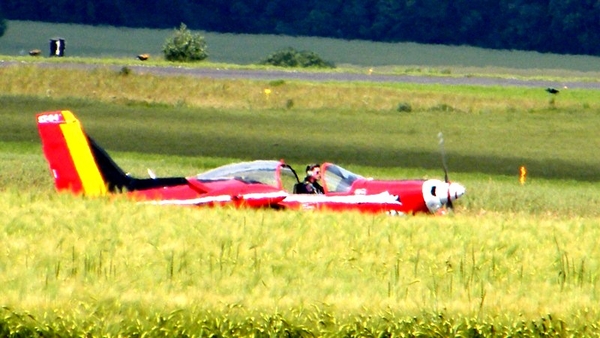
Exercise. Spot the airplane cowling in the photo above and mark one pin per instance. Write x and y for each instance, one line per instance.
(438, 193)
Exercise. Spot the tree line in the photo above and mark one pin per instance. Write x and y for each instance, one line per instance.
(557, 26)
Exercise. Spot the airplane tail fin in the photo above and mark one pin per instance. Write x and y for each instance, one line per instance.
(77, 163)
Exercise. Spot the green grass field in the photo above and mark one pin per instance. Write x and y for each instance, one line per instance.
(513, 260)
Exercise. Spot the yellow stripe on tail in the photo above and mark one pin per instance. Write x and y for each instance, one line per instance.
(69, 154)
(91, 178)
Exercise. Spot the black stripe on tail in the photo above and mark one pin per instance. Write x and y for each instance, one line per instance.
(119, 181)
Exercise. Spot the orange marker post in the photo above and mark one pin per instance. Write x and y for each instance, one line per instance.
(522, 175)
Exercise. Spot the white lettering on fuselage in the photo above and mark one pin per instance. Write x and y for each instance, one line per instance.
(360, 191)
(50, 118)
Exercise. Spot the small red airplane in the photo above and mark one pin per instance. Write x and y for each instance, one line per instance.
(79, 165)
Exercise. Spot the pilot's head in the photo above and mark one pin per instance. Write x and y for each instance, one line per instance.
(314, 170)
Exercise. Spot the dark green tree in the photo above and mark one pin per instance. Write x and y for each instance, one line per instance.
(184, 46)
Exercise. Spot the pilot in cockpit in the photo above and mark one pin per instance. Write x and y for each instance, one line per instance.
(310, 184)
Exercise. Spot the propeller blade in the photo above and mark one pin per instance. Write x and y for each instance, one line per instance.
(443, 151)
(449, 204)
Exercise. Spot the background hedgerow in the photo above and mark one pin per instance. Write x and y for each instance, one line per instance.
(290, 57)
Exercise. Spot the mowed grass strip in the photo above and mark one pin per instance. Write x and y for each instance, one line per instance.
(24, 168)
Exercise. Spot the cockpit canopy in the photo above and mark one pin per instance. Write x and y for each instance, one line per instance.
(279, 175)
(337, 179)
(274, 173)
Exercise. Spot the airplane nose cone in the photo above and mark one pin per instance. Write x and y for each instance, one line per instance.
(438, 193)
(455, 191)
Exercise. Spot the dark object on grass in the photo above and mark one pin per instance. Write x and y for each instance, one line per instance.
(552, 90)
(404, 107)
(57, 47)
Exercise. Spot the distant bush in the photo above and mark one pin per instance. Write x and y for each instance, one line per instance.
(443, 107)
(289, 104)
(276, 83)
(184, 46)
(289, 57)
(125, 71)
(404, 107)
